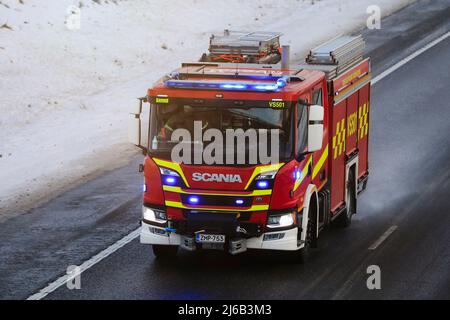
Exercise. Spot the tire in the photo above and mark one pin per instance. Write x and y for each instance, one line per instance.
(304, 253)
(165, 252)
(345, 219)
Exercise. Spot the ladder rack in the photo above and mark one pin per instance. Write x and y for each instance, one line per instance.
(342, 51)
(244, 47)
(223, 70)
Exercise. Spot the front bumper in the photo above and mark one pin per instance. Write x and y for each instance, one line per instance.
(286, 240)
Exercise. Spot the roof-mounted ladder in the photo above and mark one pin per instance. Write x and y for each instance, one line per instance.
(341, 51)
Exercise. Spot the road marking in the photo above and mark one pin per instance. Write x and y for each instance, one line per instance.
(381, 239)
(409, 58)
(86, 265)
(133, 235)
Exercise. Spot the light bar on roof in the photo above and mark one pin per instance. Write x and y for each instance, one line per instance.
(227, 85)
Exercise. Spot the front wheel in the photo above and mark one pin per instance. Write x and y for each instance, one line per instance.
(303, 253)
(165, 252)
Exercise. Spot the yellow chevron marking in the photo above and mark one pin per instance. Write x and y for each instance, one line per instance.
(339, 139)
(305, 169)
(320, 163)
(263, 169)
(172, 165)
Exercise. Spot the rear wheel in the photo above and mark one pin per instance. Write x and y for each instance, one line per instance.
(165, 252)
(345, 219)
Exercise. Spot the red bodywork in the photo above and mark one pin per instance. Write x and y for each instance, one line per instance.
(345, 125)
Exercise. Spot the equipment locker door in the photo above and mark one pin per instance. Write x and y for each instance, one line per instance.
(363, 129)
(337, 153)
(352, 123)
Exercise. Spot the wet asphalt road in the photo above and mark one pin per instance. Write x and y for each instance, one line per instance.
(409, 187)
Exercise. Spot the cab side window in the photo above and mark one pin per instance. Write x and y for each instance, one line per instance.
(302, 128)
(317, 97)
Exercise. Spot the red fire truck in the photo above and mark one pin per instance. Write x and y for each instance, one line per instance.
(246, 81)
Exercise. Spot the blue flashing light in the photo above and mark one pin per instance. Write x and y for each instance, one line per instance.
(297, 174)
(232, 86)
(262, 184)
(239, 202)
(193, 200)
(265, 87)
(170, 181)
(144, 188)
(282, 82)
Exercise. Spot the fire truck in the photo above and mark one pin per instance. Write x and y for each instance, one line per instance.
(321, 107)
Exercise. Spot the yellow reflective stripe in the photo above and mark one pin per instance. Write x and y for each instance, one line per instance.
(304, 173)
(253, 194)
(320, 163)
(352, 89)
(263, 169)
(172, 165)
(175, 204)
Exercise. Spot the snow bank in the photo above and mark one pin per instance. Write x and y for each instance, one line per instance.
(65, 94)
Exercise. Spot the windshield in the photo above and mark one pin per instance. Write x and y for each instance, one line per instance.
(275, 123)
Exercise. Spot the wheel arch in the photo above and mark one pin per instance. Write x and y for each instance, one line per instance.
(352, 165)
(311, 194)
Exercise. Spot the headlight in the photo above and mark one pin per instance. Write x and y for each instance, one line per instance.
(265, 180)
(153, 215)
(267, 175)
(168, 172)
(281, 220)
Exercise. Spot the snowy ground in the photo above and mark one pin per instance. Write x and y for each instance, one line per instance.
(65, 94)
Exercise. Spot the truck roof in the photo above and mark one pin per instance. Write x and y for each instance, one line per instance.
(339, 57)
(194, 79)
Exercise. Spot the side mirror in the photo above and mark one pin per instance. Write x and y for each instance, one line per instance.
(315, 128)
(134, 125)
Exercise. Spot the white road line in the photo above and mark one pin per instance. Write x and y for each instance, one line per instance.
(133, 235)
(381, 239)
(86, 265)
(409, 58)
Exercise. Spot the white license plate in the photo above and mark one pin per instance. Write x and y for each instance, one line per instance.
(210, 238)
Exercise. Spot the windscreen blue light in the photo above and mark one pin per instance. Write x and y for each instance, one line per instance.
(170, 180)
(262, 184)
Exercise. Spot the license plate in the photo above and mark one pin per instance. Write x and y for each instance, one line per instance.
(210, 238)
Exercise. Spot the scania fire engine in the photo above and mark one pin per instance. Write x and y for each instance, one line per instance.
(321, 109)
